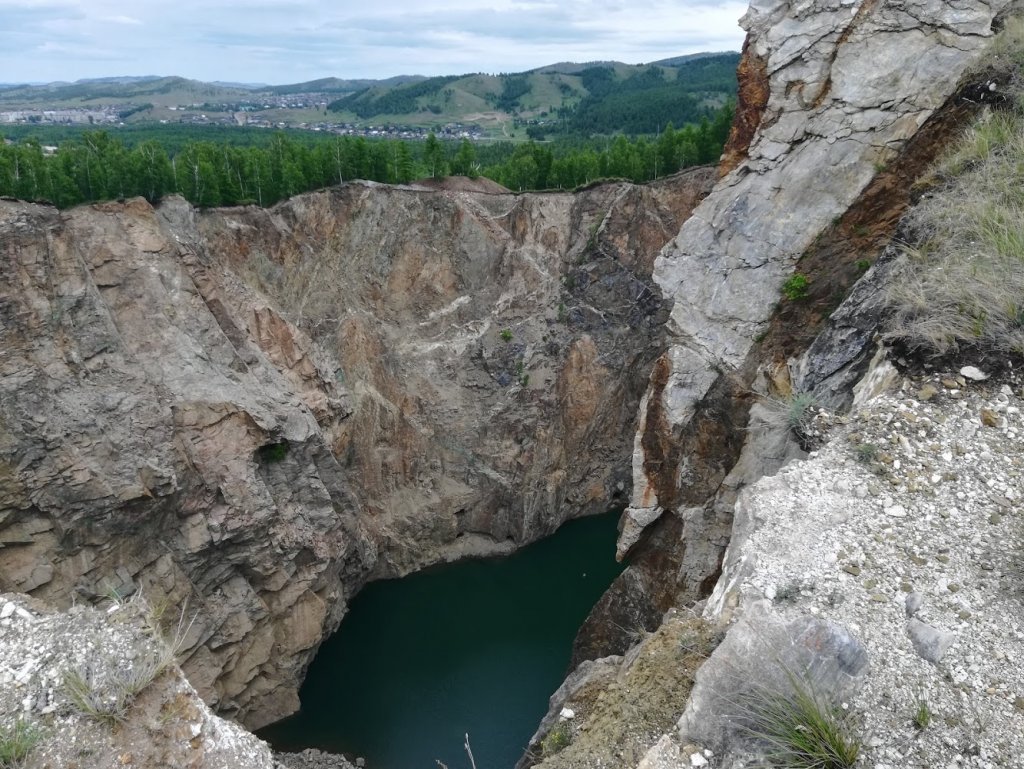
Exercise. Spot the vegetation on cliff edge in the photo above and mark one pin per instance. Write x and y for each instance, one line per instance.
(964, 288)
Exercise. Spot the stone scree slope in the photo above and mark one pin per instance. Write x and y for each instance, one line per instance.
(888, 565)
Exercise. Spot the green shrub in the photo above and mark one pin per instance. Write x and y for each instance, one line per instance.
(555, 740)
(800, 412)
(93, 701)
(108, 700)
(273, 452)
(922, 715)
(866, 452)
(16, 742)
(862, 265)
(506, 335)
(796, 287)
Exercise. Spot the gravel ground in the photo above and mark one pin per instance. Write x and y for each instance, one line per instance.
(162, 724)
(907, 527)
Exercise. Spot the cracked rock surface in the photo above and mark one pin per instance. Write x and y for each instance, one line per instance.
(255, 411)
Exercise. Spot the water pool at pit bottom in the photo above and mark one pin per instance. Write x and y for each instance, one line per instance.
(476, 647)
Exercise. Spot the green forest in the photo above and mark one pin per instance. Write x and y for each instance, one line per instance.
(646, 101)
(96, 165)
(601, 99)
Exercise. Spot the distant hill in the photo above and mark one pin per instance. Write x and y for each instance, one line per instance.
(124, 80)
(676, 61)
(336, 85)
(566, 98)
(596, 97)
(244, 86)
(575, 67)
(115, 90)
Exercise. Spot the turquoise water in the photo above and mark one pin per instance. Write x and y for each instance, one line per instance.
(477, 648)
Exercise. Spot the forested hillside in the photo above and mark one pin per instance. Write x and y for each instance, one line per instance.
(605, 98)
(561, 99)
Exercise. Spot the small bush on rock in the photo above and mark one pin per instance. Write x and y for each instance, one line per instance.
(922, 716)
(796, 287)
(800, 412)
(558, 738)
(866, 453)
(93, 701)
(105, 689)
(273, 452)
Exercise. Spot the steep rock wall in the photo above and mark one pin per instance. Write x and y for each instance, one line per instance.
(165, 426)
(490, 344)
(838, 92)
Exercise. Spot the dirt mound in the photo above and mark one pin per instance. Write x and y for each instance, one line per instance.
(463, 184)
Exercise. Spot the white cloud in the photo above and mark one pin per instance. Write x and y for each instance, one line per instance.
(277, 41)
(121, 20)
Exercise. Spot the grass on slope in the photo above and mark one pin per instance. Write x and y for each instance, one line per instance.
(965, 285)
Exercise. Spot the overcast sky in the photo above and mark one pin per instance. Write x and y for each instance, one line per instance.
(271, 41)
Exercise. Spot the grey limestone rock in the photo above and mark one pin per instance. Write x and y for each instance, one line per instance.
(848, 84)
(929, 642)
(763, 653)
(912, 603)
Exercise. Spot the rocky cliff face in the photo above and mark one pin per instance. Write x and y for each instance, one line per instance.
(249, 413)
(739, 360)
(842, 106)
(490, 345)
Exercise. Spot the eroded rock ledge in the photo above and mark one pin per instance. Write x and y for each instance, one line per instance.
(884, 571)
(100, 688)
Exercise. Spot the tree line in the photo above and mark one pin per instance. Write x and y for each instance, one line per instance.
(568, 164)
(99, 166)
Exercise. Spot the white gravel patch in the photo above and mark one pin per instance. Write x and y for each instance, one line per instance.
(910, 519)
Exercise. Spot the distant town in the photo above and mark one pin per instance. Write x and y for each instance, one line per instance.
(241, 113)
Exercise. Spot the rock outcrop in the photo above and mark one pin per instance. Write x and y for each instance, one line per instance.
(841, 93)
(434, 374)
(99, 688)
(822, 181)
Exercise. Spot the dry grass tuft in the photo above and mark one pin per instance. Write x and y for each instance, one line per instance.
(799, 727)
